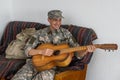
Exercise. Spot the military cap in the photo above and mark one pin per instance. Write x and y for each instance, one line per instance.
(55, 14)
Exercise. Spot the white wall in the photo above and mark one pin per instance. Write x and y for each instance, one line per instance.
(5, 10)
(101, 15)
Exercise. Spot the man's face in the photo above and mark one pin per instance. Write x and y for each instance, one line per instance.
(55, 23)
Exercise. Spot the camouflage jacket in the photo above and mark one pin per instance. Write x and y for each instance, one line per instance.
(45, 35)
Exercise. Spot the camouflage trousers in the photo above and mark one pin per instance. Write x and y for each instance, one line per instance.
(28, 72)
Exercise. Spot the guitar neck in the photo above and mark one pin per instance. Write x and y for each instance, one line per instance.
(73, 49)
(84, 48)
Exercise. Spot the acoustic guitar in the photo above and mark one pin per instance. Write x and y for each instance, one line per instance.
(62, 55)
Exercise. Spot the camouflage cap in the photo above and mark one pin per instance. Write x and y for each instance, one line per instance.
(55, 14)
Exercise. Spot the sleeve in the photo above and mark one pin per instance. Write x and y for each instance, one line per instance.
(73, 43)
(32, 43)
(71, 40)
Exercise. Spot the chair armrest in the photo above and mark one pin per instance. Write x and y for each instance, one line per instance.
(72, 74)
(8, 67)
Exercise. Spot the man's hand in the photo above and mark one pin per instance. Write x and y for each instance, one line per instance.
(46, 52)
(91, 48)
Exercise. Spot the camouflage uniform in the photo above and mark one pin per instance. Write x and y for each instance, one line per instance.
(45, 35)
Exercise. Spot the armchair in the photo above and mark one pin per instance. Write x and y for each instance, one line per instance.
(8, 67)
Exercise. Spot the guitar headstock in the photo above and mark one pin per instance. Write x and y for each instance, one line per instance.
(107, 46)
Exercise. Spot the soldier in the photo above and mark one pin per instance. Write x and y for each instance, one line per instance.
(53, 34)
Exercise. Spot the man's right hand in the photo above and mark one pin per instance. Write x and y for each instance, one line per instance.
(46, 52)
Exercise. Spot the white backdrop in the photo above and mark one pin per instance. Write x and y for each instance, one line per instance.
(100, 15)
(5, 11)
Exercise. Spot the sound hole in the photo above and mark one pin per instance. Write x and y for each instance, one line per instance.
(57, 52)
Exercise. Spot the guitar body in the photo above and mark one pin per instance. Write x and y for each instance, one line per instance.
(41, 62)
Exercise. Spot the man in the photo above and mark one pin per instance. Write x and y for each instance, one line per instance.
(53, 34)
